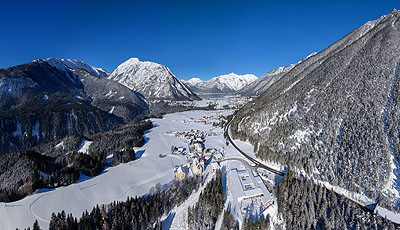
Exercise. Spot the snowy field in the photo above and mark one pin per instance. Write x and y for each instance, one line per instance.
(115, 183)
(137, 177)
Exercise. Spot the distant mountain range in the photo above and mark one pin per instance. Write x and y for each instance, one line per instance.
(228, 83)
(152, 80)
(335, 115)
(49, 99)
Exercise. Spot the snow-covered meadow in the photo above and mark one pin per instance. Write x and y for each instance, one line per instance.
(115, 183)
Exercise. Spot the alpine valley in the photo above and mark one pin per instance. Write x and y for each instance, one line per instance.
(311, 145)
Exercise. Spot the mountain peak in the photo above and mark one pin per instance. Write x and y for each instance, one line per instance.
(153, 80)
(194, 81)
(395, 12)
(133, 60)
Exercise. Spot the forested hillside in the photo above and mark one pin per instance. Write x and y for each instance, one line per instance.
(305, 205)
(335, 115)
(53, 165)
(204, 214)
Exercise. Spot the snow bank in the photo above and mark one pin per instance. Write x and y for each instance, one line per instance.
(84, 146)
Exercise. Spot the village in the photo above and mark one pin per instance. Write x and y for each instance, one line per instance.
(198, 157)
(249, 192)
(228, 102)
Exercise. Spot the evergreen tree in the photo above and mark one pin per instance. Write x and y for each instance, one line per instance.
(36, 225)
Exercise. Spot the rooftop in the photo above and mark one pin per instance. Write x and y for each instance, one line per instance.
(248, 185)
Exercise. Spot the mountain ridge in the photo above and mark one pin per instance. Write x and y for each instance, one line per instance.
(74, 64)
(336, 114)
(226, 83)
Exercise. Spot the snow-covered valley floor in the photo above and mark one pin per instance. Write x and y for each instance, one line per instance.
(115, 183)
(137, 177)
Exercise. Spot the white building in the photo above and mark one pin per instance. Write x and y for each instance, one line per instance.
(180, 172)
(198, 147)
(197, 167)
(217, 156)
(215, 165)
(248, 186)
(209, 152)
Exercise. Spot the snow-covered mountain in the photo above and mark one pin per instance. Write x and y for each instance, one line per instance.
(193, 81)
(228, 83)
(335, 116)
(54, 98)
(152, 80)
(257, 87)
(73, 65)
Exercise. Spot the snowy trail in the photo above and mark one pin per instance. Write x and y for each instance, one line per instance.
(34, 213)
(392, 186)
(162, 138)
(141, 183)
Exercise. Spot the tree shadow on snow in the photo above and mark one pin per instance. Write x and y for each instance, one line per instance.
(105, 170)
(166, 224)
(151, 129)
(82, 178)
(43, 190)
(139, 153)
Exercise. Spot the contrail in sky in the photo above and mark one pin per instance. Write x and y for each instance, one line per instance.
(98, 43)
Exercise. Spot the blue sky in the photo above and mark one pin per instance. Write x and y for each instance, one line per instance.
(193, 38)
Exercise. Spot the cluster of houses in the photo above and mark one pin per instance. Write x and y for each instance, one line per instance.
(197, 162)
(236, 102)
(194, 167)
(197, 155)
(214, 120)
(174, 102)
(193, 134)
(194, 139)
(248, 188)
